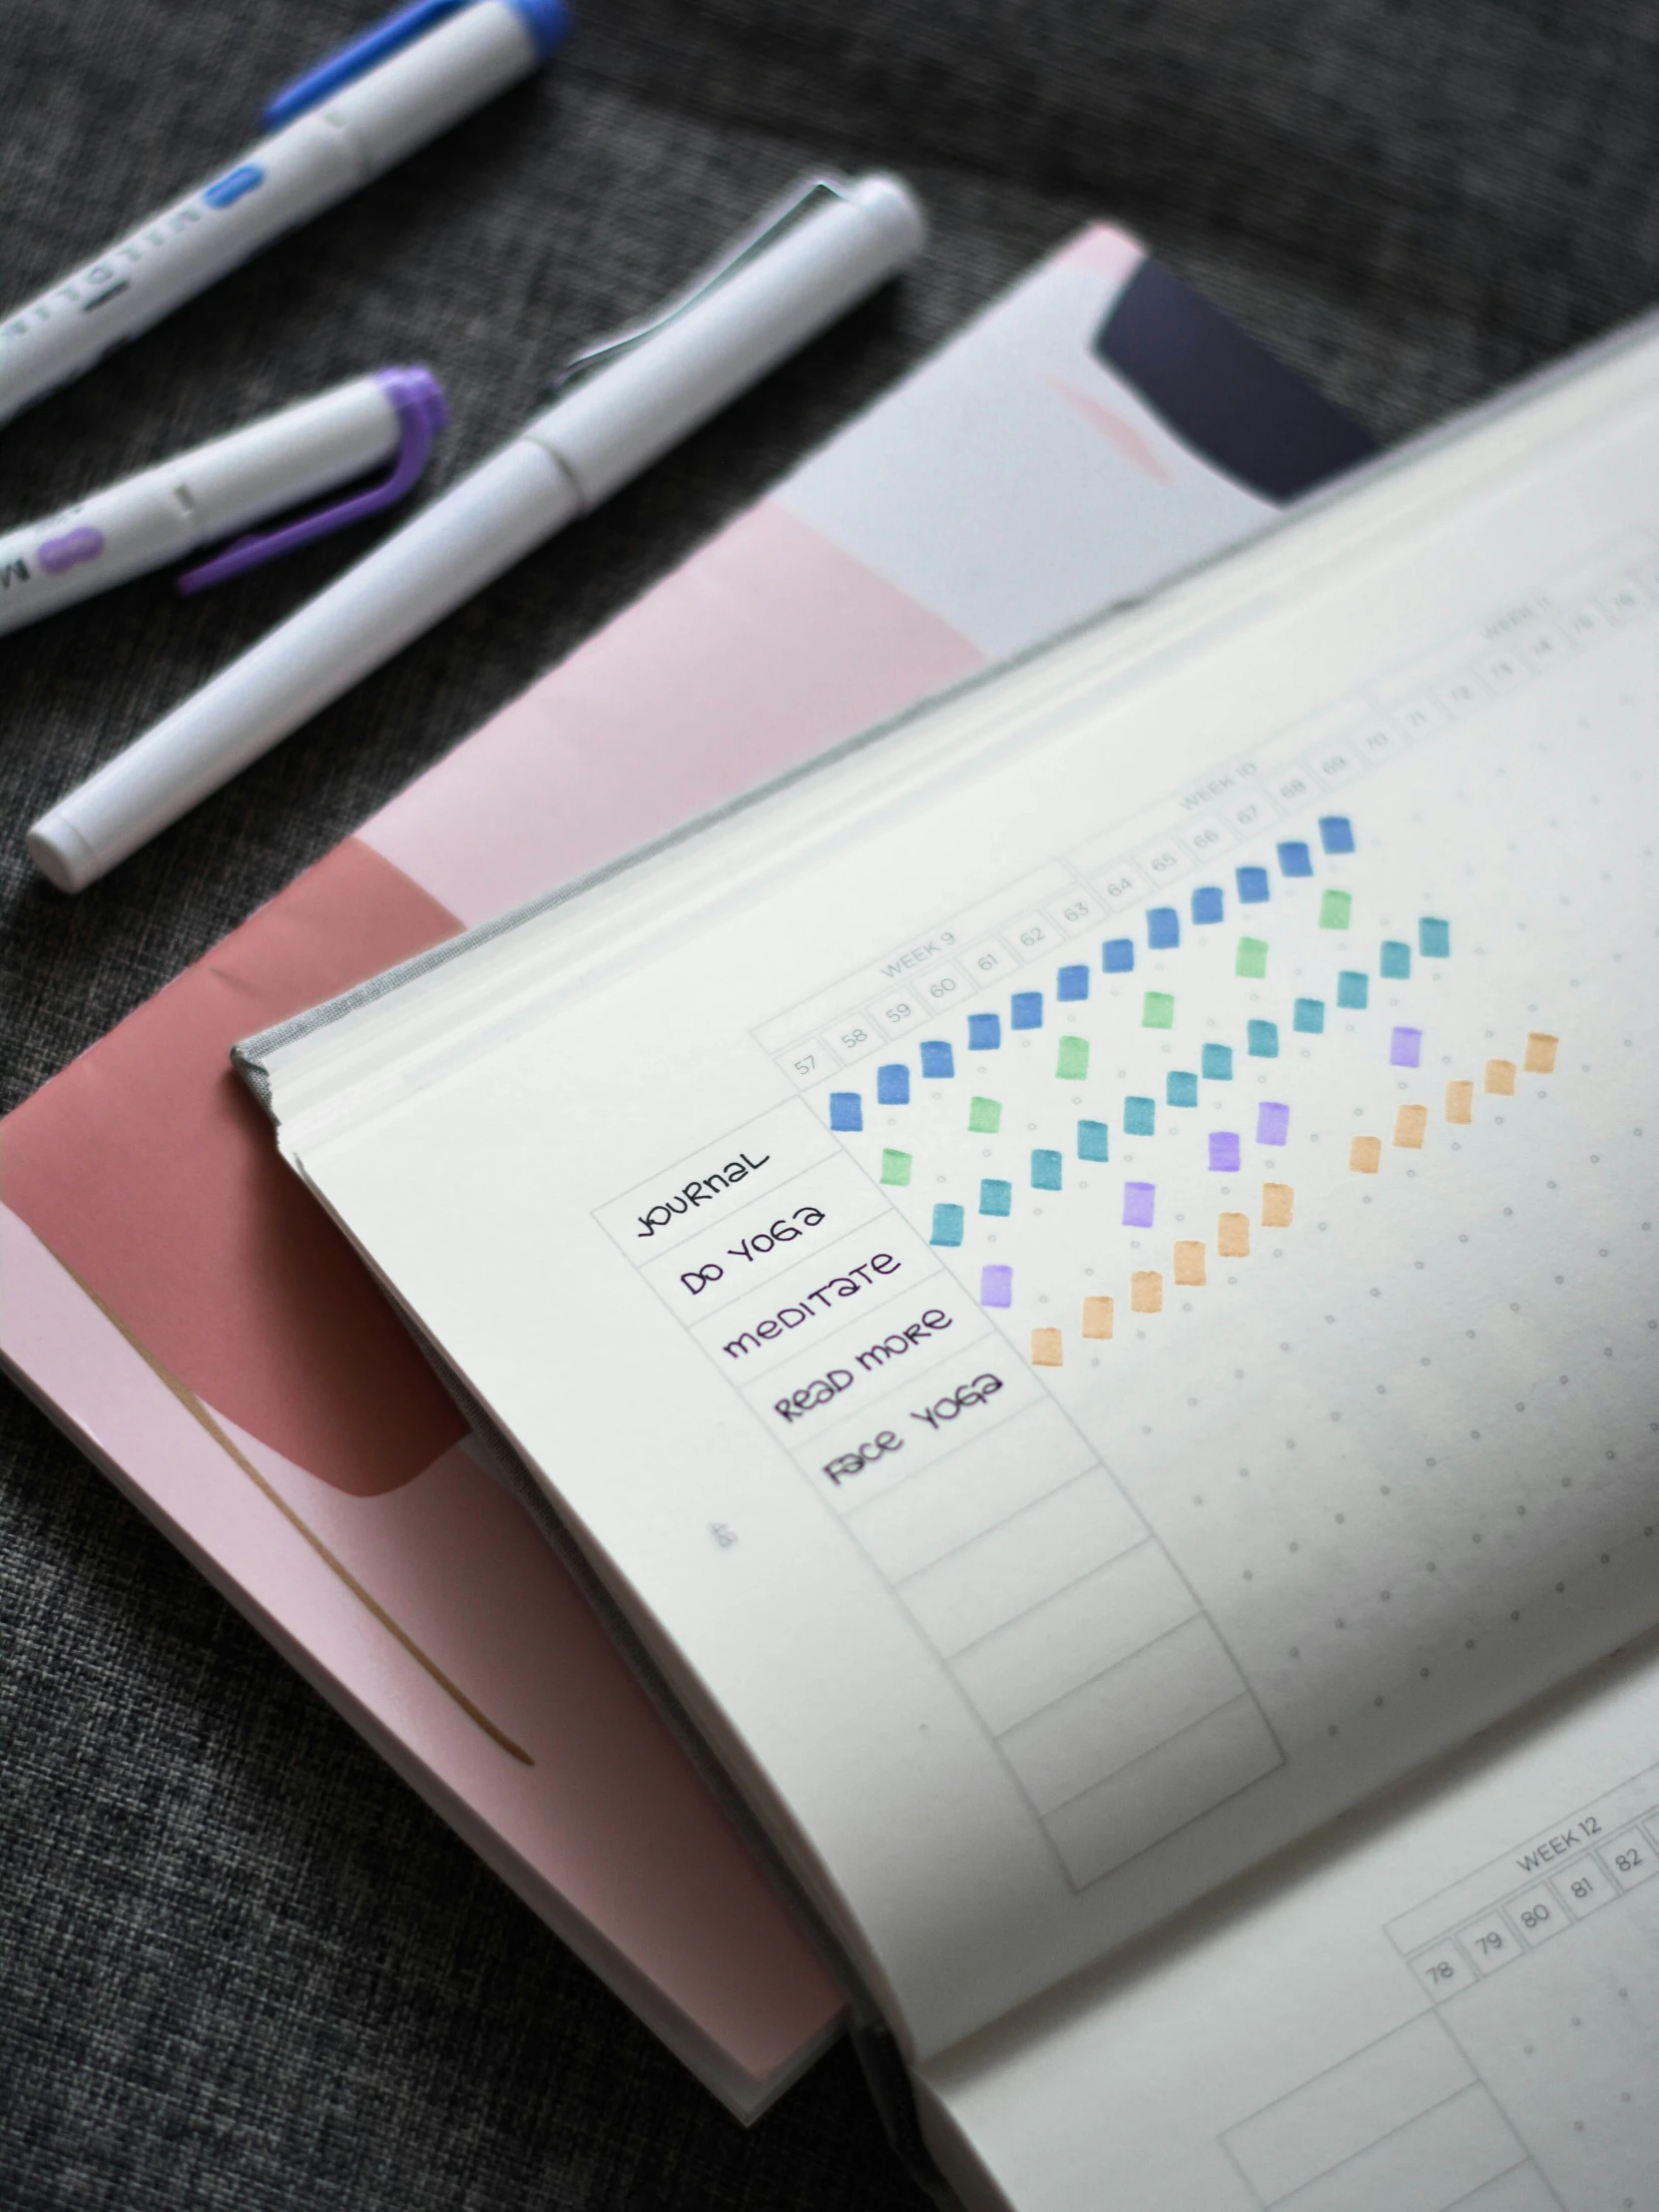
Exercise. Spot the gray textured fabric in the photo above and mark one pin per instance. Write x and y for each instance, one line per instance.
(240, 1964)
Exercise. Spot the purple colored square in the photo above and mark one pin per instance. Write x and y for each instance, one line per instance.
(1406, 1048)
(1273, 1122)
(1137, 1205)
(996, 1285)
(1223, 1151)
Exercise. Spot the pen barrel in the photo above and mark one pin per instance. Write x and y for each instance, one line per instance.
(628, 414)
(274, 186)
(91, 547)
(299, 170)
(489, 521)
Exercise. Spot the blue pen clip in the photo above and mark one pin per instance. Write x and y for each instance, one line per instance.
(417, 401)
(544, 19)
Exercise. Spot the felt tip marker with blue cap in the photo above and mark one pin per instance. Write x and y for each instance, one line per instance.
(337, 128)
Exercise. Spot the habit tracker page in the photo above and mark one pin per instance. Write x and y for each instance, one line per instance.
(1095, 1283)
(1210, 1307)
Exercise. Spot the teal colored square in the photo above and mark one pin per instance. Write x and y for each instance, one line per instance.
(947, 1225)
(1140, 1117)
(1433, 937)
(1310, 1016)
(1264, 1040)
(1396, 960)
(1045, 1171)
(1181, 1088)
(1353, 990)
(1218, 1063)
(1091, 1140)
(995, 1196)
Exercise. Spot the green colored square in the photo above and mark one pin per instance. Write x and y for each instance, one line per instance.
(895, 1166)
(986, 1116)
(1073, 1062)
(1334, 909)
(1158, 1010)
(1253, 957)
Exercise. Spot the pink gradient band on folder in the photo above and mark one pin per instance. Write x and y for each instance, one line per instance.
(766, 647)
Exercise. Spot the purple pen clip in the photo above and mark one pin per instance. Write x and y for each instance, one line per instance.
(417, 401)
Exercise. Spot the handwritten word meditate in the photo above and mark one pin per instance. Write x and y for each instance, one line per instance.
(855, 1278)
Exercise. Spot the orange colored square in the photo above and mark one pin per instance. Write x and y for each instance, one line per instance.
(1189, 1263)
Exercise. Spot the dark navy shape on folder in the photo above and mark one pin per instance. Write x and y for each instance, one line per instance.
(1221, 392)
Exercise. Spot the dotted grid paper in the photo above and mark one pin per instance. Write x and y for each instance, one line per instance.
(1528, 2088)
(1178, 1156)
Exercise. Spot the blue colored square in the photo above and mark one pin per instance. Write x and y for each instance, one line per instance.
(1045, 1171)
(1396, 960)
(1310, 1016)
(847, 1110)
(1116, 956)
(893, 1085)
(1223, 1152)
(1352, 990)
(1336, 833)
(1252, 885)
(1218, 1062)
(936, 1059)
(1207, 902)
(995, 1196)
(1295, 859)
(1027, 1010)
(1072, 982)
(949, 1223)
(1433, 938)
(1180, 1088)
(984, 1032)
(1163, 927)
(1140, 1117)
(1091, 1140)
(1264, 1040)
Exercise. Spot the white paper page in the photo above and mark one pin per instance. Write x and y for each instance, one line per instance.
(1047, 1664)
(1460, 2010)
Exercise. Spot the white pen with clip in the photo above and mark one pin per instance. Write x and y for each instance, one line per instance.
(801, 266)
(198, 497)
(343, 122)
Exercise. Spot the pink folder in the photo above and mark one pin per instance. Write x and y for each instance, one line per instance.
(170, 1294)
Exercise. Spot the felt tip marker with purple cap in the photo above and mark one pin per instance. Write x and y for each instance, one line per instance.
(383, 424)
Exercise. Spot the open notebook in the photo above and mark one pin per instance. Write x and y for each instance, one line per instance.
(172, 1299)
(1080, 1275)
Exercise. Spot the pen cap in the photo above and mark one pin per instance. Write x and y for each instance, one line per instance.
(634, 408)
(425, 87)
(289, 457)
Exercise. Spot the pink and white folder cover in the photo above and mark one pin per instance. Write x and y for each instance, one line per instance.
(174, 1301)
